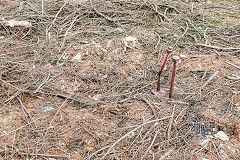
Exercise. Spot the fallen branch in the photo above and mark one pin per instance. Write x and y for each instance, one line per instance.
(149, 147)
(210, 79)
(233, 65)
(25, 110)
(155, 8)
(45, 81)
(13, 23)
(54, 20)
(215, 47)
(35, 154)
(166, 154)
(170, 123)
(143, 124)
(102, 15)
(150, 105)
(127, 134)
(233, 77)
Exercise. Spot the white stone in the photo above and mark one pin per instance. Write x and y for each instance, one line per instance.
(65, 57)
(48, 108)
(130, 41)
(221, 135)
(77, 57)
(119, 30)
(202, 142)
(182, 56)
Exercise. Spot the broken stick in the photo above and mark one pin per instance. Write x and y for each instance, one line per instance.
(13, 23)
(210, 79)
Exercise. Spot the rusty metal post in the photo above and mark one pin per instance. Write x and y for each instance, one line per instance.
(176, 59)
(169, 50)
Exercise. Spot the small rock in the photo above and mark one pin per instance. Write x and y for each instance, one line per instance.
(209, 1)
(2, 37)
(192, 102)
(77, 57)
(119, 30)
(48, 108)
(182, 56)
(221, 135)
(65, 57)
(97, 97)
(109, 43)
(130, 41)
(105, 76)
(232, 150)
(209, 136)
(131, 135)
(228, 147)
(176, 36)
(202, 142)
(221, 148)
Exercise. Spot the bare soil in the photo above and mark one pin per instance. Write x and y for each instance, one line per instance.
(78, 83)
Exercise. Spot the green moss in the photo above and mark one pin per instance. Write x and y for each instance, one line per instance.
(215, 22)
(229, 70)
(207, 69)
(216, 13)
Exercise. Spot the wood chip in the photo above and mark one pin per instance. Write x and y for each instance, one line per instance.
(13, 23)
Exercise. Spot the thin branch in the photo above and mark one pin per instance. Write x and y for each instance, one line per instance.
(166, 154)
(217, 48)
(102, 15)
(141, 125)
(55, 18)
(154, 138)
(25, 110)
(45, 81)
(186, 30)
(155, 8)
(210, 79)
(233, 65)
(170, 124)
(36, 154)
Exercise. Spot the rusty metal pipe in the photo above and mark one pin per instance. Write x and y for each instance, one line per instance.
(169, 50)
(176, 59)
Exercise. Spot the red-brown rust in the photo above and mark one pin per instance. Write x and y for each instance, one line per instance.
(175, 63)
(169, 50)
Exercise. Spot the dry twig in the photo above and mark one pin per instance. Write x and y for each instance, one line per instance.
(166, 154)
(102, 15)
(170, 123)
(210, 79)
(155, 7)
(218, 48)
(120, 139)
